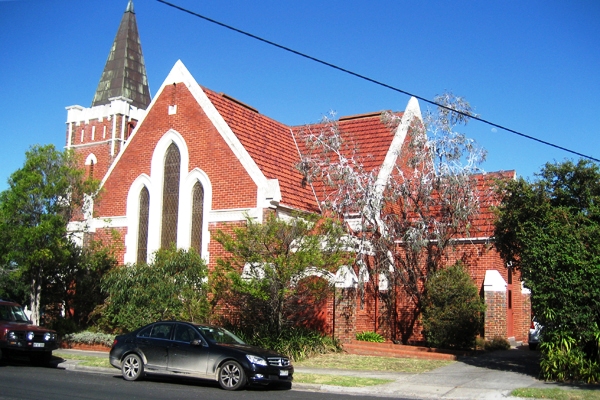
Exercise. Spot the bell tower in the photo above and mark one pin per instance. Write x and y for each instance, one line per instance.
(98, 133)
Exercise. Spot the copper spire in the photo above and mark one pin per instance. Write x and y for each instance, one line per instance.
(125, 73)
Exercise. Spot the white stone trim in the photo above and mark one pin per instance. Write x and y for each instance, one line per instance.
(184, 225)
(313, 271)
(91, 158)
(234, 214)
(131, 221)
(157, 172)
(111, 222)
(494, 282)
(345, 277)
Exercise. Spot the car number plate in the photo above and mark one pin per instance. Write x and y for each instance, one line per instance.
(283, 373)
(38, 345)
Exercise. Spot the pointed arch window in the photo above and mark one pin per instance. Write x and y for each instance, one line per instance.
(170, 209)
(142, 245)
(197, 216)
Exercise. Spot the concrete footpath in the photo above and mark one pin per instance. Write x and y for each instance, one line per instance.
(488, 376)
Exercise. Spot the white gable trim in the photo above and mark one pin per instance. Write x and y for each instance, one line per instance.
(267, 192)
(412, 111)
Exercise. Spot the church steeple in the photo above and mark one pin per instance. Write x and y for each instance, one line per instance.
(124, 74)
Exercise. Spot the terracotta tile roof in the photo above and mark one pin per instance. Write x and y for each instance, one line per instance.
(274, 147)
(271, 146)
(483, 224)
(367, 132)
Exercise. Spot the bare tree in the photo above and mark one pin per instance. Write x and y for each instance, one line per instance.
(406, 213)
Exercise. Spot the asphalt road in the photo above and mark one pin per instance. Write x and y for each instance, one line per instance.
(20, 380)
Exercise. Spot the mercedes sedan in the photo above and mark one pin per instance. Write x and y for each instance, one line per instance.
(195, 350)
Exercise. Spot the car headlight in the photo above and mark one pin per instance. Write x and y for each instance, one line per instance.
(30, 335)
(49, 336)
(256, 360)
(11, 336)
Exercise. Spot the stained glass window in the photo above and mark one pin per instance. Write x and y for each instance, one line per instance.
(170, 209)
(142, 245)
(197, 216)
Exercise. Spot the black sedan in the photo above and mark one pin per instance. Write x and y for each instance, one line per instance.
(193, 350)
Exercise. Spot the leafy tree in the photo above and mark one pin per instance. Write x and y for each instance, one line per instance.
(408, 211)
(173, 286)
(549, 229)
(277, 258)
(452, 309)
(78, 287)
(42, 198)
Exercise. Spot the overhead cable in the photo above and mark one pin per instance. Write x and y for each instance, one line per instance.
(366, 78)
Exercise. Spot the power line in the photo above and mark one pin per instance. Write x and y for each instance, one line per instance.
(366, 78)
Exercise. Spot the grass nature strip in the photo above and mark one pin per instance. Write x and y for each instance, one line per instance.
(88, 361)
(338, 380)
(556, 394)
(371, 363)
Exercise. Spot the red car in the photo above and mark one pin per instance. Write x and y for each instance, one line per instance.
(19, 336)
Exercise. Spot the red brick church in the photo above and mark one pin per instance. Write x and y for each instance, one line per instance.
(180, 165)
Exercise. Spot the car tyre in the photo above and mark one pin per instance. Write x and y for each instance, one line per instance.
(231, 376)
(132, 367)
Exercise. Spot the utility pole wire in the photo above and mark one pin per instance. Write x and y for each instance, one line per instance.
(366, 78)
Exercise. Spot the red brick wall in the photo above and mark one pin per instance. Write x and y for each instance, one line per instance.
(100, 145)
(232, 186)
(495, 315)
(345, 315)
(370, 314)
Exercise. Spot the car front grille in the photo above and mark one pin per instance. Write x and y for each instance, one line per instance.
(22, 335)
(278, 361)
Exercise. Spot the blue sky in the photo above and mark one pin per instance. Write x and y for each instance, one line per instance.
(533, 66)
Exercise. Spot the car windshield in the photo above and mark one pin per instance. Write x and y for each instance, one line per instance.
(12, 313)
(219, 335)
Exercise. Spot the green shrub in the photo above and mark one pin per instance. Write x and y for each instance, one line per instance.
(480, 343)
(373, 337)
(563, 360)
(296, 343)
(452, 309)
(173, 286)
(497, 343)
